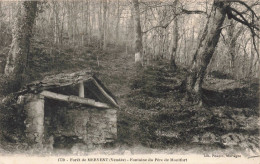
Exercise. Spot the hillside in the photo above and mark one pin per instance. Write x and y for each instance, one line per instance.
(154, 114)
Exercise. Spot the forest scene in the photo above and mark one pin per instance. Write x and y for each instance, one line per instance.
(182, 75)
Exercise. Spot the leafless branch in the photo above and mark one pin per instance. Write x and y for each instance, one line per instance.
(243, 21)
(255, 47)
(183, 11)
(193, 11)
(225, 26)
(224, 39)
(251, 6)
(161, 26)
(247, 6)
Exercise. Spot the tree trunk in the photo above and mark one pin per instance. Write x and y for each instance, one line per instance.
(56, 22)
(205, 50)
(258, 49)
(90, 20)
(82, 30)
(118, 21)
(100, 25)
(174, 38)
(69, 21)
(232, 39)
(1, 15)
(232, 44)
(62, 26)
(21, 33)
(138, 33)
(104, 24)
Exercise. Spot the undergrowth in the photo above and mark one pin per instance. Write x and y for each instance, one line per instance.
(221, 124)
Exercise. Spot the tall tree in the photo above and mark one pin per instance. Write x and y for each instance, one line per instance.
(104, 24)
(138, 32)
(118, 20)
(21, 35)
(0, 15)
(206, 49)
(56, 30)
(174, 37)
(209, 40)
(231, 42)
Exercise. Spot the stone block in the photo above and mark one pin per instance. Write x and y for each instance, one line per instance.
(34, 109)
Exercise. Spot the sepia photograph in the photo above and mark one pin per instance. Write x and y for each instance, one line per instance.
(129, 81)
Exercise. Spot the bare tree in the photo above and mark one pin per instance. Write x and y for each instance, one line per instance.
(138, 32)
(209, 40)
(206, 49)
(1, 14)
(231, 42)
(21, 33)
(104, 32)
(174, 38)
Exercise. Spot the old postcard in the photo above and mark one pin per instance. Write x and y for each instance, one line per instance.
(129, 81)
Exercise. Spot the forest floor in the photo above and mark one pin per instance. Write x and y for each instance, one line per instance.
(154, 116)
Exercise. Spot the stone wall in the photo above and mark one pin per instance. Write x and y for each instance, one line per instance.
(94, 126)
